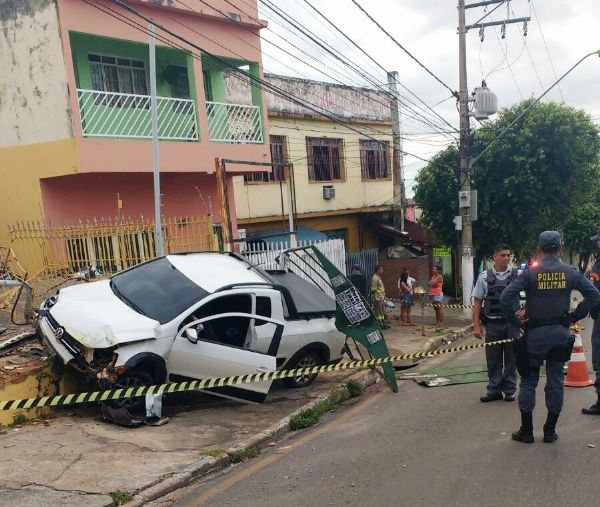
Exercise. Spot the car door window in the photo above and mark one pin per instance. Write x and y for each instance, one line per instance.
(263, 308)
(231, 331)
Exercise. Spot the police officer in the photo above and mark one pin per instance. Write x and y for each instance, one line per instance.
(594, 275)
(502, 371)
(547, 338)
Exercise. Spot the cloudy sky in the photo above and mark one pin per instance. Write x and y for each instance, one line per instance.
(515, 67)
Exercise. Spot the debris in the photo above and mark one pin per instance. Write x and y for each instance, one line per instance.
(591, 445)
(2, 330)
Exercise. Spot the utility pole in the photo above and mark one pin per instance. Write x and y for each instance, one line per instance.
(158, 232)
(466, 247)
(464, 204)
(289, 183)
(397, 157)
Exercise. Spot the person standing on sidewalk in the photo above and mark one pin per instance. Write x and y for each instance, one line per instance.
(594, 276)
(548, 288)
(378, 296)
(359, 280)
(436, 293)
(490, 322)
(406, 288)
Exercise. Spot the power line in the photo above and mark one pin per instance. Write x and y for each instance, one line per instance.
(453, 92)
(537, 19)
(416, 118)
(371, 58)
(225, 65)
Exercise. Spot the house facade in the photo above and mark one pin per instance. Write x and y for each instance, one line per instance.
(75, 109)
(342, 172)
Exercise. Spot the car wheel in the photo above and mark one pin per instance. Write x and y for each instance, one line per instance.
(304, 360)
(132, 378)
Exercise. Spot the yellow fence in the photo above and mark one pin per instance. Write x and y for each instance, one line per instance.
(104, 247)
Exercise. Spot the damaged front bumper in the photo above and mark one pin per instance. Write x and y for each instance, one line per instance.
(96, 365)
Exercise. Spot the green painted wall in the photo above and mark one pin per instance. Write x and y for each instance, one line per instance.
(109, 121)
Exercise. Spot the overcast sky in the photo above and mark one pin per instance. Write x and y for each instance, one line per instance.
(427, 28)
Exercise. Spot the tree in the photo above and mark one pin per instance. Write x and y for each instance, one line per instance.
(530, 180)
(583, 223)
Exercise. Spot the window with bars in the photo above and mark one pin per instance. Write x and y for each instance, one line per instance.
(279, 155)
(325, 159)
(120, 75)
(374, 159)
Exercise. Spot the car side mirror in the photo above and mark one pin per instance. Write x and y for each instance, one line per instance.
(191, 334)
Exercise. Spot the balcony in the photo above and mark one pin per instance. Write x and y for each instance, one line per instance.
(234, 123)
(127, 116)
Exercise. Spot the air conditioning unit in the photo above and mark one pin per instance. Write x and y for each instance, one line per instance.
(328, 192)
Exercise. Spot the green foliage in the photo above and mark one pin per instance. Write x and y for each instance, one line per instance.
(244, 454)
(120, 497)
(534, 178)
(583, 223)
(311, 416)
(355, 388)
(19, 418)
(215, 453)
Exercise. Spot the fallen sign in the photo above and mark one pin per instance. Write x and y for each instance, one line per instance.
(206, 384)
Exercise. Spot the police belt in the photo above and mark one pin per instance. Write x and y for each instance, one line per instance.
(493, 319)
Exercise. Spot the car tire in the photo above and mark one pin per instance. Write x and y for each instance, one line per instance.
(136, 377)
(304, 359)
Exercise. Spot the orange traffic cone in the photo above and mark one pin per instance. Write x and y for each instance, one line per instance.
(577, 371)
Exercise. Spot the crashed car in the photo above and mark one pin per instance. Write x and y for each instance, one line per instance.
(192, 316)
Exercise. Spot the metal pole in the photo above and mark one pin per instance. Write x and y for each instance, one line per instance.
(288, 184)
(397, 159)
(226, 228)
(466, 249)
(158, 232)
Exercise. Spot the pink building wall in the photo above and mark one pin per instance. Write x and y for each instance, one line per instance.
(232, 40)
(69, 199)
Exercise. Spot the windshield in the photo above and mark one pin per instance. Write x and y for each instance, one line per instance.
(156, 289)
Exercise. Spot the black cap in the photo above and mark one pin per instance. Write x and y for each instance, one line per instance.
(549, 240)
(596, 237)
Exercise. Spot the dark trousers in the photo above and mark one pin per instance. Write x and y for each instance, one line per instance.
(501, 365)
(596, 353)
(554, 389)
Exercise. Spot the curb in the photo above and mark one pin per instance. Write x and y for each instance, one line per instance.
(205, 465)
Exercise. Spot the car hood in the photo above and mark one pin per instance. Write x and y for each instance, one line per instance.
(95, 317)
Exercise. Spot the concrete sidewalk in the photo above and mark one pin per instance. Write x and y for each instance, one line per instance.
(72, 457)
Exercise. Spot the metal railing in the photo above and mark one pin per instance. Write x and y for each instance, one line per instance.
(125, 115)
(234, 123)
(105, 246)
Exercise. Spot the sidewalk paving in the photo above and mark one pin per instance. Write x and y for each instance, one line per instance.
(75, 458)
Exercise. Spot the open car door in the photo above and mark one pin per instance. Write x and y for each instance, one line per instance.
(203, 349)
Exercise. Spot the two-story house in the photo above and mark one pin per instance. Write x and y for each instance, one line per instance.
(342, 172)
(75, 109)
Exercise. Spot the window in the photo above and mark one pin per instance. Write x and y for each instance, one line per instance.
(336, 234)
(121, 75)
(231, 331)
(178, 81)
(208, 96)
(374, 159)
(278, 156)
(263, 308)
(325, 159)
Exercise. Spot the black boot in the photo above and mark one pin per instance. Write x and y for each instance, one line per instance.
(525, 432)
(594, 409)
(549, 433)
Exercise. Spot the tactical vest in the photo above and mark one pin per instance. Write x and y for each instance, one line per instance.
(549, 293)
(491, 303)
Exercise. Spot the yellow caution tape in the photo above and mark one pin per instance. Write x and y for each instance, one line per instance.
(199, 385)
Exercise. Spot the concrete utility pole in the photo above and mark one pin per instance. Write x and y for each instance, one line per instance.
(397, 158)
(466, 247)
(464, 204)
(158, 232)
(289, 183)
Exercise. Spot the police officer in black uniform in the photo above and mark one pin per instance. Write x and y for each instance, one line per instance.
(547, 338)
(594, 276)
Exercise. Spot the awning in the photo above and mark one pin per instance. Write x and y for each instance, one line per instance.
(413, 232)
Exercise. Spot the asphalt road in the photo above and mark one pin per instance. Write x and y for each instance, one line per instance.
(422, 446)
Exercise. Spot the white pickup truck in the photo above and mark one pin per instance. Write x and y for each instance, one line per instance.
(192, 316)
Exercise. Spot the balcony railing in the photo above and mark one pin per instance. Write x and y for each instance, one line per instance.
(234, 123)
(125, 115)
